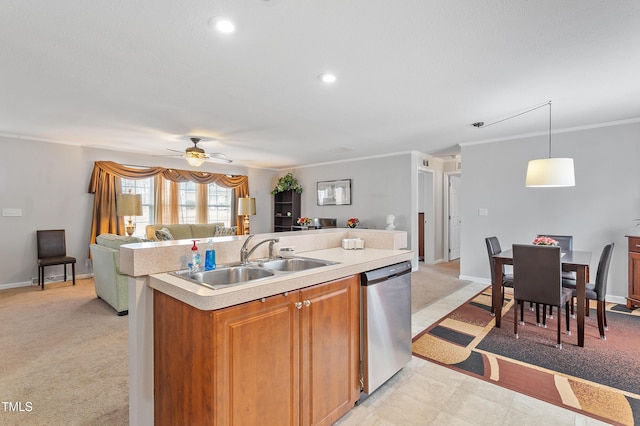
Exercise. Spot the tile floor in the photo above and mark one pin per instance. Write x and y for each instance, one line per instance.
(423, 393)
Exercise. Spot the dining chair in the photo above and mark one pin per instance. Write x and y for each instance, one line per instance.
(537, 278)
(598, 290)
(52, 250)
(493, 248)
(565, 242)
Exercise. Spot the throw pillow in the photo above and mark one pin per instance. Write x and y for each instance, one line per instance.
(163, 234)
(223, 231)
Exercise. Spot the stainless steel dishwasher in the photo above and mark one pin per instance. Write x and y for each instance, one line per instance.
(385, 324)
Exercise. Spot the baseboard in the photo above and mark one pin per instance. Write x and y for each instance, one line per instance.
(47, 280)
(478, 280)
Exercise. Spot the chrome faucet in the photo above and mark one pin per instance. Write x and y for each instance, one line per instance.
(245, 253)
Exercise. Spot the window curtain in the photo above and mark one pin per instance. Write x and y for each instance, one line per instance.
(105, 184)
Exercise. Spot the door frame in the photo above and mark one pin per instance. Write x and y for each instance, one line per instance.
(429, 228)
(445, 207)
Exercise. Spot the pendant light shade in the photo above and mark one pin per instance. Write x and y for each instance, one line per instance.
(550, 172)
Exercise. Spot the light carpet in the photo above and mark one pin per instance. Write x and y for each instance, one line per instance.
(431, 283)
(64, 357)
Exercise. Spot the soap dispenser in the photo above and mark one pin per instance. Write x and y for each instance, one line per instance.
(196, 259)
(210, 257)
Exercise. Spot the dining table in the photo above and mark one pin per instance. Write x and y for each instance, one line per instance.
(575, 260)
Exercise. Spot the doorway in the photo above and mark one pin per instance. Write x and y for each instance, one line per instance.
(452, 205)
(425, 216)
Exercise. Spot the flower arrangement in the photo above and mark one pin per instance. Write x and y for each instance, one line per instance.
(304, 221)
(545, 241)
(353, 222)
(286, 183)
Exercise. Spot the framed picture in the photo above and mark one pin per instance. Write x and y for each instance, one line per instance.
(334, 192)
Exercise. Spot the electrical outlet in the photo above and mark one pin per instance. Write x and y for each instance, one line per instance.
(87, 262)
(483, 212)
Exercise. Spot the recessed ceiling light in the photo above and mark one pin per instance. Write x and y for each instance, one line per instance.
(327, 78)
(223, 25)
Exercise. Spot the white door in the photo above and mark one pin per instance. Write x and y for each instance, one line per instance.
(454, 217)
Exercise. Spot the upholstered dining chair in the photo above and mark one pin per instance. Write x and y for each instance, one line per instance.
(537, 278)
(52, 250)
(565, 242)
(598, 290)
(493, 248)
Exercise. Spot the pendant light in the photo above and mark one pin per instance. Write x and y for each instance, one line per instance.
(550, 172)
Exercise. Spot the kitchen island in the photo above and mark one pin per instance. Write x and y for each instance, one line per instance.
(221, 313)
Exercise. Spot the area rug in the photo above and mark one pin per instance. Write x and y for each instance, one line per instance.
(600, 380)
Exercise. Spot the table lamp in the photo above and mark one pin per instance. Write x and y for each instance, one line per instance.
(129, 205)
(246, 208)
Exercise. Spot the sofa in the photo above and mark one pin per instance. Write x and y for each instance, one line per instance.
(186, 231)
(111, 285)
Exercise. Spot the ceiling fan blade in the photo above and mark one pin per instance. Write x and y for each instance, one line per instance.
(175, 150)
(219, 158)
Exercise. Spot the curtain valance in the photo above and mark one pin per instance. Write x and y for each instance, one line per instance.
(105, 184)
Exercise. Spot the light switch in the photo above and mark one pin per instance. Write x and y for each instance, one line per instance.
(11, 212)
(483, 212)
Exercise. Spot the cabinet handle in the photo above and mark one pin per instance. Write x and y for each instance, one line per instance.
(637, 245)
(307, 303)
(298, 305)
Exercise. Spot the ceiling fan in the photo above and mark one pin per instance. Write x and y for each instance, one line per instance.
(195, 155)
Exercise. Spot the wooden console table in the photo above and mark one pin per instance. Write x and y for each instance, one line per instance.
(633, 298)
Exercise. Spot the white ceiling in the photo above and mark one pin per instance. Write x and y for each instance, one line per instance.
(143, 76)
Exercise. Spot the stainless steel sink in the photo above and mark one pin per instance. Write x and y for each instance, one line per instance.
(226, 276)
(294, 264)
(223, 277)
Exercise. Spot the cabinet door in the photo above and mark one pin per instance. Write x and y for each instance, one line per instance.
(183, 375)
(256, 363)
(329, 327)
(634, 278)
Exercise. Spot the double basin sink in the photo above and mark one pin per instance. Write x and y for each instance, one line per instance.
(238, 274)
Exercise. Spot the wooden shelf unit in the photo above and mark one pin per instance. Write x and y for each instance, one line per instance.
(286, 209)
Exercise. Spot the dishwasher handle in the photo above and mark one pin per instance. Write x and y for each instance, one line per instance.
(383, 274)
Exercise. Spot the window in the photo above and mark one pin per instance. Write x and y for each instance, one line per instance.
(187, 202)
(143, 187)
(219, 204)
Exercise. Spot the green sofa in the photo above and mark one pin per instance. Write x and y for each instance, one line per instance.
(185, 231)
(111, 285)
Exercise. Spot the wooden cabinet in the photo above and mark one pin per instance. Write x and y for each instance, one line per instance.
(286, 208)
(633, 298)
(289, 359)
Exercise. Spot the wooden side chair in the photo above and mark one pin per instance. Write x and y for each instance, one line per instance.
(52, 250)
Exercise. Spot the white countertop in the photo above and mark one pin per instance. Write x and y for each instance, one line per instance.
(350, 262)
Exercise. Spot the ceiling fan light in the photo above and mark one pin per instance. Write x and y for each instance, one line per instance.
(550, 172)
(195, 161)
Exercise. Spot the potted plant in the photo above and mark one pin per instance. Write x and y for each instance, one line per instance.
(286, 183)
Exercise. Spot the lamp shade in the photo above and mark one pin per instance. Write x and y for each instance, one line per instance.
(550, 172)
(129, 204)
(195, 161)
(246, 206)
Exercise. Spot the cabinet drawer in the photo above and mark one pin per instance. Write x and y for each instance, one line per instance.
(634, 244)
